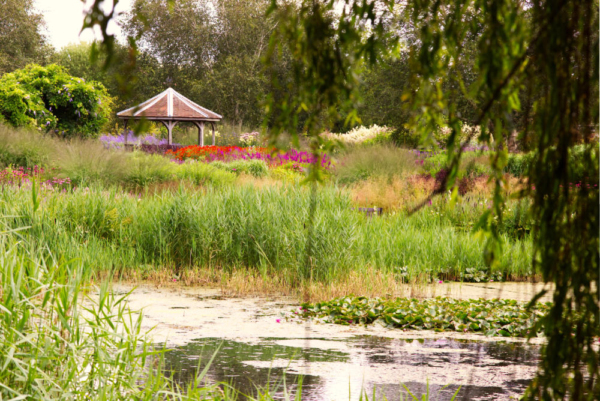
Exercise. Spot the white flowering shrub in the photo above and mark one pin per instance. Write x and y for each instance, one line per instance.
(363, 135)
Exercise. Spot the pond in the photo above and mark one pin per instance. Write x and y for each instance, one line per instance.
(260, 338)
(340, 369)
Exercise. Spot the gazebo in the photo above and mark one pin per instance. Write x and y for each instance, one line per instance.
(169, 108)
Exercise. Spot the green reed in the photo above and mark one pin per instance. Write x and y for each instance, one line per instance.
(233, 227)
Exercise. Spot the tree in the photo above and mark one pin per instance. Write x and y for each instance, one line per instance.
(50, 99)
(21, 35)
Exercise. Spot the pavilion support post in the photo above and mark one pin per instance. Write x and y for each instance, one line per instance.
(125, 132)
(213, 132)
(200, 126)
(169, 125)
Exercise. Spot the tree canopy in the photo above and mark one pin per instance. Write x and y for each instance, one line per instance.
(22, 39)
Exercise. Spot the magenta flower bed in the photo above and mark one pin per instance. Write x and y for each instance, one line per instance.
(23, 177)
(291, 156)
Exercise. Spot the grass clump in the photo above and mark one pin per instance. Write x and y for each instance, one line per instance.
(203, 173)
(20, 147)
(507, 318)
(255, 168)
(376, 161)
(87, 162)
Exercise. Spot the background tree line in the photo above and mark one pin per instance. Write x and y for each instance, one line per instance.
(213, 53)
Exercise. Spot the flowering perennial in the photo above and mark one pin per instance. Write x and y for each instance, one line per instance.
(231, 153)
(23, 176)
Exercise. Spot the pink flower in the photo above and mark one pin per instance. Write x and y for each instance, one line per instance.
(278, 320)
(440, 282)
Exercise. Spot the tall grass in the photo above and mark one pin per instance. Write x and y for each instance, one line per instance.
(25, 148)
(361, 163)
(244, 227)
(56, 342)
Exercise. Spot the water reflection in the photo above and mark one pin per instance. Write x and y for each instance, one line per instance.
(339, 369)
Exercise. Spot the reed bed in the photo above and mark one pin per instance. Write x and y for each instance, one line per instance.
(238, 227)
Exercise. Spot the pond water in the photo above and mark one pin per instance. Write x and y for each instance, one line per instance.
(261, 338)
(334, 369)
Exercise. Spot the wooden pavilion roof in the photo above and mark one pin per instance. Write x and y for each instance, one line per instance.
(169, 105)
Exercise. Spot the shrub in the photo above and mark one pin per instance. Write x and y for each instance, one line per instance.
(48, 98)
(518, 163)
(289, 172)
(144, 169)
(472, 164)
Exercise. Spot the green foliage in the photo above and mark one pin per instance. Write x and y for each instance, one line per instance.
(494, 317)
(50, 99)
(130, 79)
(382, 89)
(548, 52)
(208, 51)
(518, 163)
(255, 168)
(87, 162)
(61, 337)
(143, 170)
(54, 338)
(474, 164)
(289, 172)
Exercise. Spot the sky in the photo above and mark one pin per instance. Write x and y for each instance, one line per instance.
(64, 19)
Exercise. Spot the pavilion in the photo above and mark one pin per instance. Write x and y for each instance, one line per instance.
(169, 108)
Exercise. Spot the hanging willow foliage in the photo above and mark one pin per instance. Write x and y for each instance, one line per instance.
(546, 50)
(549, 51)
